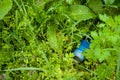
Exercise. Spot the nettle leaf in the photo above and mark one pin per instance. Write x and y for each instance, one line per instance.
(5, 6)
(81, 12)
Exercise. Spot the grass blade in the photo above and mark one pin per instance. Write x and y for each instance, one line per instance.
(26, 68)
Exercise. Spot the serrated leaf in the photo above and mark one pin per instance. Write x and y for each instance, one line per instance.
(94, 34)
(104, 56)
(81, 12)
(97, 53)
(114, 39)
(103, 71)
(101, 25)
(5, 6)
(103, 17)
(107, 19)
(101, 55)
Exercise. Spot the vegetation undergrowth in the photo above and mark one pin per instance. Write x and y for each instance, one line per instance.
(38, 38)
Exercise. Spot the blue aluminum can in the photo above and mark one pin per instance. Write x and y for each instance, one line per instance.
(83, 46)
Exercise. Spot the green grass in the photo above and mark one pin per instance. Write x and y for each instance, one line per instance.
(38, 38)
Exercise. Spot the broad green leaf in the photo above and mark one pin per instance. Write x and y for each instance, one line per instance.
(69, 1)
(51, 37)
(117, 2)
(96, 5)
(60, 38)
(55, 39)
(81, 12)
(5, 6)
(108, 2)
